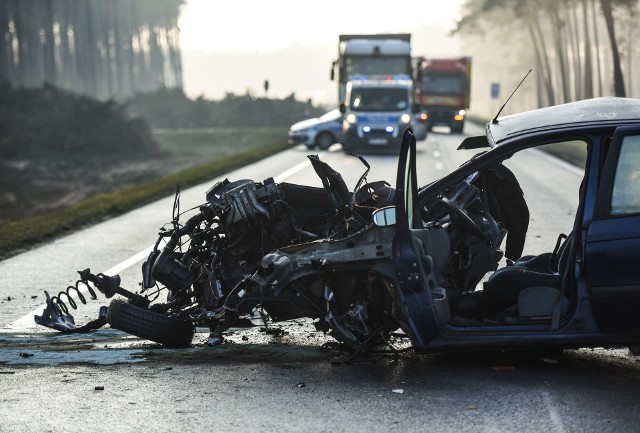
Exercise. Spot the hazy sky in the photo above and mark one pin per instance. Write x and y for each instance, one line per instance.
(236, 45)
(259, 25)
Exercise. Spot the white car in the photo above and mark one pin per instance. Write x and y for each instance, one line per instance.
(319, 132)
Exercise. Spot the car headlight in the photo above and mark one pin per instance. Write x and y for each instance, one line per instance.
(352, 119)
(405, 118)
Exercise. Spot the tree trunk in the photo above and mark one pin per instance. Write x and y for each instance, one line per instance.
(588, 70)
(539, 71)
(577, 54)
(5, 43)
(49, 46)
(618, 79)
(67, 64)
(596, 39)
(539, 35)
(558, 34)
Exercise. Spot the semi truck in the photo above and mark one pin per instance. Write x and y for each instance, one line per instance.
(443, 88)
(373, 54)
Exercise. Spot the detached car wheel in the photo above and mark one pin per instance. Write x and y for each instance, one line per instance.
(149, 325)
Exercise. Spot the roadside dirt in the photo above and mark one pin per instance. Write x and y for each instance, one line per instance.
(29, 187)
(58, 148)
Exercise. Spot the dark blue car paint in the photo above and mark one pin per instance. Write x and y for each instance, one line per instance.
(413, 299)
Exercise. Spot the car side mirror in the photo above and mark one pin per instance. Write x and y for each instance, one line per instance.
(384, 217)
(342, 108)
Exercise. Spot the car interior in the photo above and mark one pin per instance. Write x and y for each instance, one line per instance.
(504, 267)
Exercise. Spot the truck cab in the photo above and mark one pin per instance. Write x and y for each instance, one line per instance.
(372, 54)
(443, 87)
(376, 111)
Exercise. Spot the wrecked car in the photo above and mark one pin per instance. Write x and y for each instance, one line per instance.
(445, 264)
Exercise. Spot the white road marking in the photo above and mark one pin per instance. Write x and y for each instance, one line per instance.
(129, 262)
(553, 413)
(293, 170)
(27, 321)
(446, 163)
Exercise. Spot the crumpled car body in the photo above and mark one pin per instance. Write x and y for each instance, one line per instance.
(442, 263)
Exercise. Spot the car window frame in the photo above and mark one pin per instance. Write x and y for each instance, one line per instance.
(500, 154)
(606, 184)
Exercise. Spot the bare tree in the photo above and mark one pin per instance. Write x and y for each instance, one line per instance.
(587, 79)
(578, 89)
(597, 47)
(618, 79)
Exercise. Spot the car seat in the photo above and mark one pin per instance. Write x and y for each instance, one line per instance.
(530, 287)
(531, 284)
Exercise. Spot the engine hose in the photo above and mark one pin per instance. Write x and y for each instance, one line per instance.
(188, 227)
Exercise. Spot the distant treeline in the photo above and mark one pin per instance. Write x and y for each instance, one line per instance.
(171, 108)
(102, 48)
(49, 122)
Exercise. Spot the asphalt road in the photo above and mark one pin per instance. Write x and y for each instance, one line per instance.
(106, 381)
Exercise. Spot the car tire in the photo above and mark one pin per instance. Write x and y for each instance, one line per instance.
(149, 325)
(324, 140)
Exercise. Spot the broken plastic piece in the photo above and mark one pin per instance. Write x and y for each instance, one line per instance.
(215, 339)
(53, 317)
(503, 368)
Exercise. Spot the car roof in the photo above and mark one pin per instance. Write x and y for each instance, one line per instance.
(570, 116)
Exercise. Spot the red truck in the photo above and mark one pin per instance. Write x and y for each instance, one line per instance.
(442, 88)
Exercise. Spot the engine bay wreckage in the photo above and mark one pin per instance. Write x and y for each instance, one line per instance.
(363, 265)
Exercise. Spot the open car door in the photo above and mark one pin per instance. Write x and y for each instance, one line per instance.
(421, 304)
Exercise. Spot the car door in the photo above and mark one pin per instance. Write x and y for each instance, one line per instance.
(612, 250)
(421, 306)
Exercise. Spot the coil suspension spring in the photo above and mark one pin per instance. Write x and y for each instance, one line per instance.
(60, 307)
(105, 284)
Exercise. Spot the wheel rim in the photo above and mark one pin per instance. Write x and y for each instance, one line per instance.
(324, 140)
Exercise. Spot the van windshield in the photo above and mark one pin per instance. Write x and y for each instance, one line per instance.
(379, 99)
